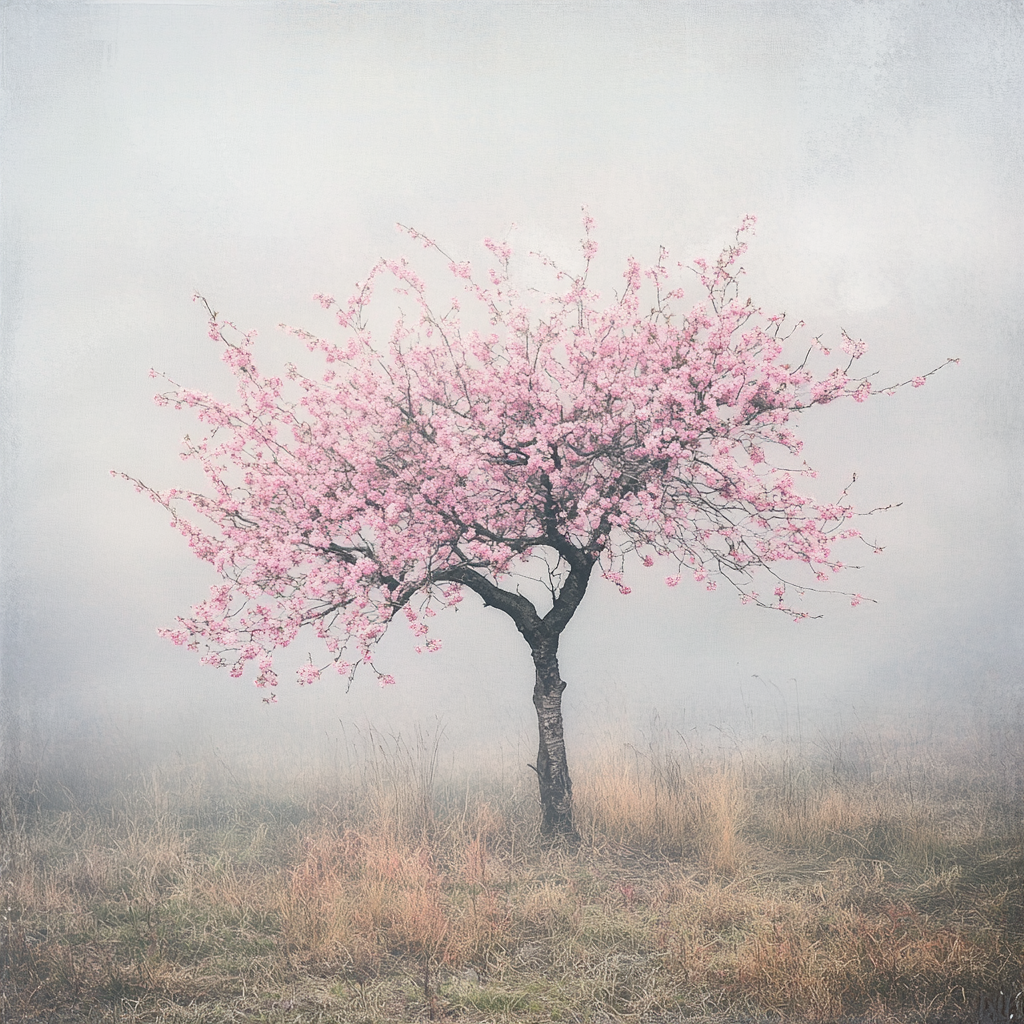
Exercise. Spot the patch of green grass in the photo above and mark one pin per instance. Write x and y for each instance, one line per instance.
(489, 1000)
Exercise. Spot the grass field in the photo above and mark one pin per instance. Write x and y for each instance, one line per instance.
(875, 880)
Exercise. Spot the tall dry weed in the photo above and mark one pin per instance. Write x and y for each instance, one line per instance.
(659, 804)
(367, 898)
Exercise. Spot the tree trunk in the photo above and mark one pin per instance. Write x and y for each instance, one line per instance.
(542, 635)
(552, 767)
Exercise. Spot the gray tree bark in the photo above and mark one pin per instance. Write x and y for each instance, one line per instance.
(552, 766)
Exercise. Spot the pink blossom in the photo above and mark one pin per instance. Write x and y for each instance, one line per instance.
(308, 674)
(918, 382)
(855, 349)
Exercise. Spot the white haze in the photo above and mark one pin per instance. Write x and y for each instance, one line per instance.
(260, 153)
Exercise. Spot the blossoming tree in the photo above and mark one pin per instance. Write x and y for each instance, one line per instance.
(569, 437)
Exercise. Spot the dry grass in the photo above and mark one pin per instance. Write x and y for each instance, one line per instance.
(865, 883)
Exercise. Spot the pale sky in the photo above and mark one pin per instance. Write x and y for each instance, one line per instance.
(262, 152)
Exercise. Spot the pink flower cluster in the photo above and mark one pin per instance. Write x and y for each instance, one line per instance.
(449, 446)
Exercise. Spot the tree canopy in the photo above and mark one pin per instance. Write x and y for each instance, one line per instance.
(443, 458)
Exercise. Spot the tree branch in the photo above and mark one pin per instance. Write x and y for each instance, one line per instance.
(518, 608)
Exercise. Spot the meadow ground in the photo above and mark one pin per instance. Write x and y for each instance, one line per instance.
(869, 879)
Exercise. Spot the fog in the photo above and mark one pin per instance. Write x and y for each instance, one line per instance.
(262, 152)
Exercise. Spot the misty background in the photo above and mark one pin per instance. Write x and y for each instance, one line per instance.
(261, 152)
